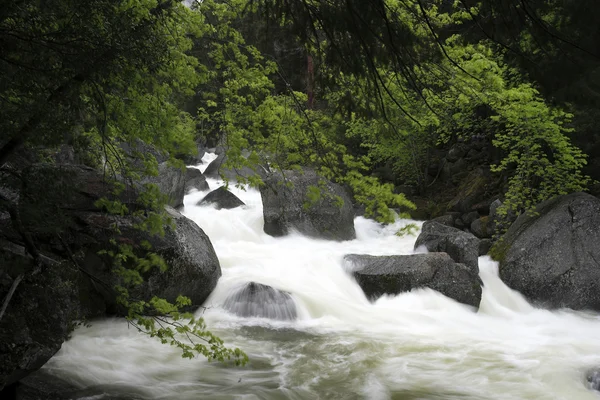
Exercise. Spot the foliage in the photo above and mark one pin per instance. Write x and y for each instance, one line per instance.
(396, 78)
(108, 78)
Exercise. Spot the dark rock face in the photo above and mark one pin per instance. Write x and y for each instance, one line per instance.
(554, 257)
(68, 229)
(193, 266)
(39, 316)
(461, 246)
(286, 206)
(194, 179)
(222, 198)
(258, 300)
(396, 274)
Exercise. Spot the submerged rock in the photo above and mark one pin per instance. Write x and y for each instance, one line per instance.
(553, 256)
(593, 379)
(289, 204)
(258, 300)
(222, 198)
(194, 179)
(461, 246)
(379, 275)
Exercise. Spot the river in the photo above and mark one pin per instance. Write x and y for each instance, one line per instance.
(417, 345)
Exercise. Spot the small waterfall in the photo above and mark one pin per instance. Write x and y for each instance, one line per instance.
(337, 344)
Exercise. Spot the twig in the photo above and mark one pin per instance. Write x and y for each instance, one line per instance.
(13, 287)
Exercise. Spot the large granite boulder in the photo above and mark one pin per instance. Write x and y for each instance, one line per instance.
(258, 300)
(169, 179)
(303, 201)
(379, 275)
(193, 267)
(40, 314)
(86, 229)
(552, 256)
(461, 246)
(222, 198)
(195, 179)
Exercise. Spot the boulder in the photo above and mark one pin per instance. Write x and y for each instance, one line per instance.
(86, 229)
(216, 169)
(481, 228)
(171, 182)
(484, 246)
(195, 179)
(552, 256)
(447, 220)
(469, 217)
(379, 275)
(193, 159)
(303, 201)
(39, 316)
(258, 300)
(193, 267)
(461, 246)
(222, 198)
(170, 179)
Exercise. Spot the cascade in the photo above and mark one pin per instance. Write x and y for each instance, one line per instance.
(417, 345)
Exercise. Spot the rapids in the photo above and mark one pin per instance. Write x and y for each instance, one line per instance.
(417, 345)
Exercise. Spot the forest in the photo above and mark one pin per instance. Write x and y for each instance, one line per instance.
(408, 104)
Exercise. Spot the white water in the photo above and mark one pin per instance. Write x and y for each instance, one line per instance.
(418, 345)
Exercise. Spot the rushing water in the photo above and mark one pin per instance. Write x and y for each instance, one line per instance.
(418, 345)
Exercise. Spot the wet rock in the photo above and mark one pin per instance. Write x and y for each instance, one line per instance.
(40, 313)
(552, 256)
(481, 228)
(447, 220)
(170, 179)
(593, 379)
(470, 217)
(222, 198)
(193, 267)
(379, 275)
(327, 213)
(216, 169)
(461, 246)
(258, 300)
(194, 179)
(193, 159)
(87, 229)
(484, 247)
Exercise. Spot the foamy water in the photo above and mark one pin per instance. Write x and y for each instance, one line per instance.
(417, 345)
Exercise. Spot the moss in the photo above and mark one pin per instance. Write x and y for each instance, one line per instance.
(499, 250)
